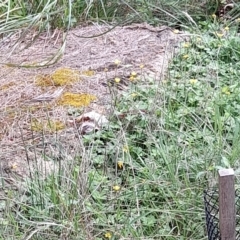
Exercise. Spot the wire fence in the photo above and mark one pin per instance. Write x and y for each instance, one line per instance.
(211, 202)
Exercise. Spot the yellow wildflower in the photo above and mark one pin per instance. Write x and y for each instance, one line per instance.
(117, 62)
(108, 235)
(125, 148)
(134, 74)
(237, 20)
(120, 164)
(185, 56)
(193, 81)
(176, 31)
(117, 80)
(226, 28)
(132, 78)
(88, 73)
(186, 44)
(199, 39)
(214, 16)
(219, 34)
(141, 66)
(210, 168)
(116, 188)
(225, 90)
(14, 166)
(164, 81)
(133, 95)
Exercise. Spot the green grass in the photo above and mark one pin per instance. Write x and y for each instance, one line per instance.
(46, 15)
(170, 137)
(143, 176)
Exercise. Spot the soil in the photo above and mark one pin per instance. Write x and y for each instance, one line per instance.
(94, 49)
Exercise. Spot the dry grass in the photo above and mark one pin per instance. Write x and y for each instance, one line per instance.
(32, 94)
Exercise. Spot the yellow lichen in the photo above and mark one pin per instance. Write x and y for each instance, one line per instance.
(76, 100)
(44, 80)
(61, 77)
(7, 85)
(88, 73)
(50, 126)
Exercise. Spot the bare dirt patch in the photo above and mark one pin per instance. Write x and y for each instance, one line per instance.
(88, 49)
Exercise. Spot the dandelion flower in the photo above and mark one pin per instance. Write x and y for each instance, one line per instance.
(193, 81)
(132, 78)
(211, 168)
(164, 81)
(186, 45)
(176, 31)
(125, 149)
(185, 56)
(120, 164)
(219, 34)
(225, 90)
(133, 95)
(108, 235)
(117, 80)
(14, 166)
(117, 62)
(141, 66)
(116, 188)
(226, 28)
(134, 74)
